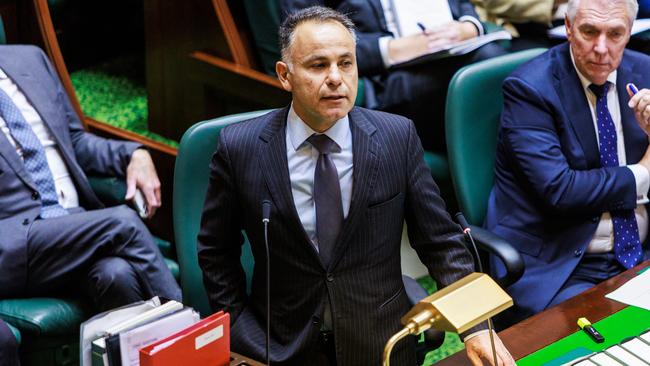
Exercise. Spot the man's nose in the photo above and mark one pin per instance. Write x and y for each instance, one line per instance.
(334, 76)
(601, 44)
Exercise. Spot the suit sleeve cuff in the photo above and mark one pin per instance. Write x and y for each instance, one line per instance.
(383, 49)
(642, 179)
(477, 23)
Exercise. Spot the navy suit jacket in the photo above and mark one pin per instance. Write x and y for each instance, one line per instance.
(391, 184)
(550, 190)
(82, 153)
(368, 16)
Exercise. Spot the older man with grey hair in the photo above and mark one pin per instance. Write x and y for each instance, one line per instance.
(573, 163)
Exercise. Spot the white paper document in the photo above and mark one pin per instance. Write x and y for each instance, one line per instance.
(638, 347)
(430, 13)
(624, 356)
(640, 25)
(132, 340)
(602, 359)
(635, 292)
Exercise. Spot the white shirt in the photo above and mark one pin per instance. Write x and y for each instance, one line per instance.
(391, 25)
(63, 184)
(302, 158)
(603, 240)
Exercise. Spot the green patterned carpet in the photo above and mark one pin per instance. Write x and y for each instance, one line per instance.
(111, 93)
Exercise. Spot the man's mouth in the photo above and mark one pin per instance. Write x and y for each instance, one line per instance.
(334, 97)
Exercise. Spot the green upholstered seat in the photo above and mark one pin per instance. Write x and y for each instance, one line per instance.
(190, 185)
(472, 120)
(473, 112)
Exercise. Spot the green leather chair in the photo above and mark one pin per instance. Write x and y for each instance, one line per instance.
(473, 112)
(190, 184)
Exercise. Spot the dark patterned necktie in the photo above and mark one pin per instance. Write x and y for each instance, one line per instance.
(627, 245)
(33, 157)
(327, 196)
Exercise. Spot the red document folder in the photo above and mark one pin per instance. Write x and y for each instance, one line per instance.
(206, 343)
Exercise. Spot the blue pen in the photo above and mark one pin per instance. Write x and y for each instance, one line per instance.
(631, 87)
(424, 29)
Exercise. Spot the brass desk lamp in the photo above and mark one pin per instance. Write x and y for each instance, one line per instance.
(455, 308)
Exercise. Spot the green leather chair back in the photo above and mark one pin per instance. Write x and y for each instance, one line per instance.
(191, 173)
(473, 112)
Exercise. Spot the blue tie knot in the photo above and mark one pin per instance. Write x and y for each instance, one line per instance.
(600, 90)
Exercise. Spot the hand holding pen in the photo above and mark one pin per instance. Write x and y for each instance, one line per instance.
(640, 103)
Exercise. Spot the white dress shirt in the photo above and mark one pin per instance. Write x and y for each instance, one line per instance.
(63, 184)
(391, 25)
(603, 240)
(302, 158)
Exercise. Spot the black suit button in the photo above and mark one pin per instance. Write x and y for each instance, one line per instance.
(35, 195)
(26, 222)
(595, 219)
(330, 277)
(577, 253)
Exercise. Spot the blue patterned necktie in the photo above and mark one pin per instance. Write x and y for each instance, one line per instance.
(327, 196)
(33, 157)
(627, 245)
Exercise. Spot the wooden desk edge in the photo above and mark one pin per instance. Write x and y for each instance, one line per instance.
(555, 323)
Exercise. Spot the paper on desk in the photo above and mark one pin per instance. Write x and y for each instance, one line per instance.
(639, 26)
(635, 292)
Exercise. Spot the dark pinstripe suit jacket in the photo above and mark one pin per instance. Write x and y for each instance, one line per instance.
(391, 184)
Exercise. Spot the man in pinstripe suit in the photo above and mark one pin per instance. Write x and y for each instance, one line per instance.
(336, 292)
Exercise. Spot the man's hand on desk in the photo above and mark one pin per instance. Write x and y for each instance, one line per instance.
(479, 348)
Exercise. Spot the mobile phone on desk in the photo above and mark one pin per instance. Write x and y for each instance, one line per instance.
(140, 204)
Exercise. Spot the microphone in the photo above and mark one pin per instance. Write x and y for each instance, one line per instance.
(266, 218)
(460, 218)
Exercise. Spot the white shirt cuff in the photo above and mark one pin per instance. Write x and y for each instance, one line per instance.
(383, 49)
(472, 335)
(476, 22)
(642, 179)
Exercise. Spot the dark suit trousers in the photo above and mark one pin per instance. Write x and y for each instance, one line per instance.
(109, 254)
(8, 347)
(420, 92)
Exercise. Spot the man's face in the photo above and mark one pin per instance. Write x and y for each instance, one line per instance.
(323, 74)
(598, 36)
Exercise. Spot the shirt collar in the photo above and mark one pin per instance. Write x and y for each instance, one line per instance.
(584, 81)
(3, 75)
(299, 131)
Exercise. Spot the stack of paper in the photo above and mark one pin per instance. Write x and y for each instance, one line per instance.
(117, 339)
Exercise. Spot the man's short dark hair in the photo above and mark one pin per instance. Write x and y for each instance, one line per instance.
(319, 14)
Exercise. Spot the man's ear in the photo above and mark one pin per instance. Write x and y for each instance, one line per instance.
(282, 70)
(567, 26)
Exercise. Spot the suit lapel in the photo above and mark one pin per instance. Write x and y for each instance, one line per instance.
(275, 168)
(44, 103)
(577, 106)
(365, 162)
(634, 136)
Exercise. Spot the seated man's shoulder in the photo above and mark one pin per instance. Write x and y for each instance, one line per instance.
(640, 61)
(21, 50)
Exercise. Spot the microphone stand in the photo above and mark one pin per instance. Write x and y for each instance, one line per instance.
(266, 214)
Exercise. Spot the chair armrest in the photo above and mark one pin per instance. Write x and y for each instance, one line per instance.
(109, 190)
(511, 258)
